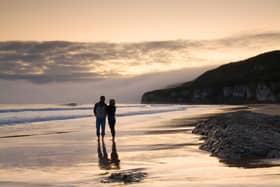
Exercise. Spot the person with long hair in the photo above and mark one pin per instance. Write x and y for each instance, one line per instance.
(111, 111)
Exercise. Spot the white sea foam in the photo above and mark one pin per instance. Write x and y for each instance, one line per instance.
(29, 114)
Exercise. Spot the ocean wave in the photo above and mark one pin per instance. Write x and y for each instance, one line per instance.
(39, 118)
(10, 110)
(148, 112)
(42, 109)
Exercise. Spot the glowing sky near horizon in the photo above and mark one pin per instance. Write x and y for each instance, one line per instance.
(124, 47)
(135, 20)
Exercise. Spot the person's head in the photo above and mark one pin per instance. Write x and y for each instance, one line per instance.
(112, 102)
(102, 99)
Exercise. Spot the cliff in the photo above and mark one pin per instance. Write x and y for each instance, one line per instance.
(254, 80)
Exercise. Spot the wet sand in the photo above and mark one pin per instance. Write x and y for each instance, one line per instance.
(67, 153)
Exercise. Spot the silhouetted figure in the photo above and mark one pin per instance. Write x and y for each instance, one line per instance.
(111, 111)
(104, 162)
(100, 112)
(115, 162)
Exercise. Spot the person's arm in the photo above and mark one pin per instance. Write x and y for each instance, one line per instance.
(94, 109)
(106, 109)
(114, 110)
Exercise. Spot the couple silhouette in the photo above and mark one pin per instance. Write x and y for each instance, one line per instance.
(101, 110)
(108, 163)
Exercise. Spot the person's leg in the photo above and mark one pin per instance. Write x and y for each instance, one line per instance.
(103, 123)
(111, 129)
(114, 131)
(98, 127)
(112, 123)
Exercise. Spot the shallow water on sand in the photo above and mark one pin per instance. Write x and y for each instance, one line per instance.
(67, 153)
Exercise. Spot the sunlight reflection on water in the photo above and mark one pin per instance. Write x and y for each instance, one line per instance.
(161, 143)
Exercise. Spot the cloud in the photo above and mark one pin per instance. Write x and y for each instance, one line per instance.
(60, 61)
(123, 89)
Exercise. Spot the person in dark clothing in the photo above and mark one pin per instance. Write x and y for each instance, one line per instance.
(111, 111)
(100, 112)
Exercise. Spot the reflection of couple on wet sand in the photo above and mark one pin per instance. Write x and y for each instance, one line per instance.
(104, 161)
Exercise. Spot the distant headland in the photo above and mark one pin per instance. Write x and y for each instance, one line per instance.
(254, 80)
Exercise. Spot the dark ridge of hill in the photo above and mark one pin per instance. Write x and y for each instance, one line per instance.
(254, 80)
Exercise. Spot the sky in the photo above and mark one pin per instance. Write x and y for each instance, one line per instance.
(135, 20)
(122, 48)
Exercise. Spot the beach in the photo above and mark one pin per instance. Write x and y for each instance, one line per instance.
(61, 149)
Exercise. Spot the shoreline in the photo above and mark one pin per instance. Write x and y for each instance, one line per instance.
(153, 150)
